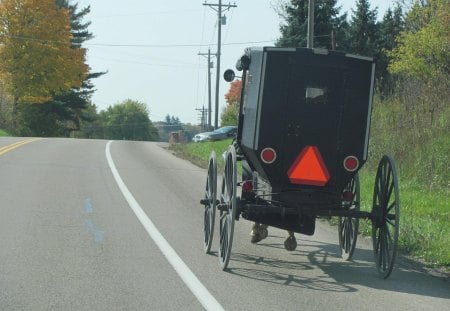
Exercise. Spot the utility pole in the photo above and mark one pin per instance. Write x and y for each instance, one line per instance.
(210, 65)
(202, 116)
(310, 42)
(218, 8)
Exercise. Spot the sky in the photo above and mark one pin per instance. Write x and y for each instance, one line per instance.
(149, 49)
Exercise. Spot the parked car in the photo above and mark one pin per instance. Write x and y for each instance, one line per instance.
(219, 134)
(201, 137)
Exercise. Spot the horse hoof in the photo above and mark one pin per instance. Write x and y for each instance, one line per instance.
(264, 233)
(290, 244)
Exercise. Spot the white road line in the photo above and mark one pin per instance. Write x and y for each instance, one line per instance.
(192, 282)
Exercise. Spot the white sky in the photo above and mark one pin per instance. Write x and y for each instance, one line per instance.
(173, 80)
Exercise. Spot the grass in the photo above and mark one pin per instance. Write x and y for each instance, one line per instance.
(424, 214)
(4, 133)
(199, 153)
(424, 219)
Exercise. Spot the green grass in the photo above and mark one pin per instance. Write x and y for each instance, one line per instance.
(4, 133)
(198, 153)
(424, 214)
(424, 219)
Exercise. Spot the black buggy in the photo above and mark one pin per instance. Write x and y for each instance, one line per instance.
(303, 134)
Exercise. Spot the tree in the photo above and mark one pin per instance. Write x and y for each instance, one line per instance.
(36, 57)
(128, 120)
(77, 100)
(390, 28)
(424, 46)
(363, 30)
(230, 113)
(327, 20)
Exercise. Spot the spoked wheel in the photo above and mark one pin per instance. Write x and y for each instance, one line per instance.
(210, 202)
(348, 226)
(228, 207)
(385, 216)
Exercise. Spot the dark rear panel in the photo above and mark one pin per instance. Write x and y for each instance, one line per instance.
(297, 98)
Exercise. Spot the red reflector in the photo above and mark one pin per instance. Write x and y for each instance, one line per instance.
(347, 196)
(309, 168)
(268, 155)
(351, 163)
(247, 186)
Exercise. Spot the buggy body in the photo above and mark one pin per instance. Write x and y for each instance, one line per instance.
(297, 101)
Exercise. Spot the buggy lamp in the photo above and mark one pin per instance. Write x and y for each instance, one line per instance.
(309, 168)
(229, 75)
(351, 163)
(268, 155)
(247, 186)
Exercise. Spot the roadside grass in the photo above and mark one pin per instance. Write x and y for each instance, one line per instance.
(4, 133)
(424, 219)
(199, 153)
(424, 213)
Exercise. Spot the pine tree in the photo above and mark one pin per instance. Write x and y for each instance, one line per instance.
(326, 20)
(73, 103)
(363, 30)
(390, 27)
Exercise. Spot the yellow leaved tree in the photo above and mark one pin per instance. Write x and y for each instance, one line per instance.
(36, 57)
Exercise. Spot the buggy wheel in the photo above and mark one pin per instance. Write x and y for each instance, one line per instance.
(385, 216)
(348, 226)
(227, 207)
(210, 202)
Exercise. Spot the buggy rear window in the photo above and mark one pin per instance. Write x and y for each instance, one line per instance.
(316, 95)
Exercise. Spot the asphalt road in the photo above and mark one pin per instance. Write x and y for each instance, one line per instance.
(87, 225)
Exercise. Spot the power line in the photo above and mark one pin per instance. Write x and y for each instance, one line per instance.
(134, 45)
(173, 45)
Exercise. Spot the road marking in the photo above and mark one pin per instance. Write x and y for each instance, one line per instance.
(8, 148)
(99, 235)
(192, 282)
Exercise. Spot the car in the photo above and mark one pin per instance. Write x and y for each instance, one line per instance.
(201, 137)
(219, 134)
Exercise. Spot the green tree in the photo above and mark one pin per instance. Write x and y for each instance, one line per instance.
(390, 28)
(363, 30)
(128, 120)
(424, 46)
(77, 99)
(327, 19)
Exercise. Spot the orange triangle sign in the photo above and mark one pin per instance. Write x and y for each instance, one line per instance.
(309, 168)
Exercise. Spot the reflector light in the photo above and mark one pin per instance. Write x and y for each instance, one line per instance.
(347, 196)
(268, 155)
(247, 186)
(309, 168)
(351, 163)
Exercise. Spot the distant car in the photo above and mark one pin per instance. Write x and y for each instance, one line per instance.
(219, 134)
(201, 137)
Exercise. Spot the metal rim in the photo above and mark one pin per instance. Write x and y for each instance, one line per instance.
(385, 216)
(228, 207)
(210, 206)
(348, 226)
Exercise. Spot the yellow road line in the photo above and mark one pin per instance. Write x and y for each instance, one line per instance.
(8, 148)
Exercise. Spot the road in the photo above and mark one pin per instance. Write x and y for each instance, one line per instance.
(71, 240)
